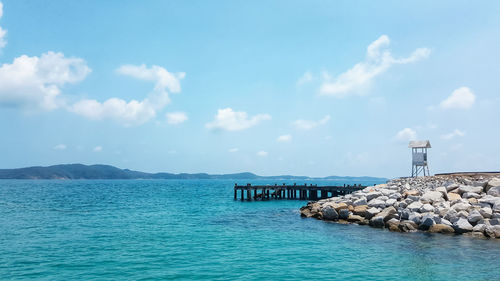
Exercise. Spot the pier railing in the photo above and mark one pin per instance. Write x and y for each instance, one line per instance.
(298, 192)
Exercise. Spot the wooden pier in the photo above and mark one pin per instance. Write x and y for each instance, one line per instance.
(294, 192)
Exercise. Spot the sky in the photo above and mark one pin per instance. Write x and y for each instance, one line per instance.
(312, 88)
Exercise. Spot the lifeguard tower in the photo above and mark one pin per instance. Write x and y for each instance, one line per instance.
(419, 157)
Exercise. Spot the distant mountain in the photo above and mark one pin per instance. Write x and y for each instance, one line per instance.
(80, 171)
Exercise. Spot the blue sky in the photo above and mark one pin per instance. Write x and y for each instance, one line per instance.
(273, 87)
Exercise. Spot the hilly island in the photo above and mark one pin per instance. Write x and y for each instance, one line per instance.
(80, 171)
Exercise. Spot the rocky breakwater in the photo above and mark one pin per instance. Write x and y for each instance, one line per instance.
(458, 204)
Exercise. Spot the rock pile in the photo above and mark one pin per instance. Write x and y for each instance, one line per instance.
(462, 204)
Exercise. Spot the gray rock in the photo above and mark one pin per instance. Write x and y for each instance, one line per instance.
(426, 208)
(408, 226)
(479, 228)
(388, 213)
(489, 199)
(431, 196)
(390, 202)
(461, 207)
(474, 217)
(344, 214)
(376, 203)
(443, 191)
(492, 231)
(486, 212)
(396, 196)
(467, 188)
(492, 183)
(370, 213)
(415, 217)
(405, 214)
(359, 202)
(415, 206)
(377, 221)
(452, 187)
(445, 222)
(471, 195)
(372, 195)
(426, 222)
(494, 221)
(329, 213)
(494, 191)
(462, 226)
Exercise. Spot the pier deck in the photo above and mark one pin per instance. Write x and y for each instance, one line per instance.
(293, 192)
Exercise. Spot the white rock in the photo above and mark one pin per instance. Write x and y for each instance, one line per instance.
(468, 188)
(486, 212)
(426, 208)
(390, 202)
(445, 222)
(494, 191)
(359, 202)
(443, 191)
(372, 195)
(479, 227)
(376, 203)
(370, 213)
(415, 206)
(462, 226)
(471, 195)
(461, 207)
(431, 196)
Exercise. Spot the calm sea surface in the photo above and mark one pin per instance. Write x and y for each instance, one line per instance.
(193, 229)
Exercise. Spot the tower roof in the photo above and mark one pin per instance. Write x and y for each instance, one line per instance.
(420, 144)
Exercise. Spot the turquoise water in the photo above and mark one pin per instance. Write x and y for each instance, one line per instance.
(167, 229)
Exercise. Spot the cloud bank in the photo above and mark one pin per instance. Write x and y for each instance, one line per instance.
(229, 120)
(378, 60)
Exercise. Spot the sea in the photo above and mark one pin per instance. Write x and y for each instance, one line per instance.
(195, 230)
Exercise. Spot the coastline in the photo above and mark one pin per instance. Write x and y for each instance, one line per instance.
(450, 204)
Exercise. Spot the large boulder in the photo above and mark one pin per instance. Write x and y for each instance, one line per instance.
(344, 214)
(372, 195)
(360, 210)
(412, 192)
(468, 188)
(494, 191)
(329, 213)
(376, 203)
(359, 202)
(479, 227)
(462, 226)
(474, 217)
(390, 202)
(461, 206)
(452, 187)
(426, 222)
(492, 231)
(370, 213)
(431, 196)
(377, 222)
(452, 196)
(441, 228)
(486, 212)
(492, 183)
(469, 195)
(443, 191)
(415, 206)
(393, 225)
(408, 226)
(426, 208)
(388, 213)
(355, 218)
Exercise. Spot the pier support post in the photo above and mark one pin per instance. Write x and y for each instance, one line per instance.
(249, 194)
(235, 193)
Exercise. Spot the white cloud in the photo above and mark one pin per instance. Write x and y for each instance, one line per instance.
(233, 150)
(60, 147)
(306, 78)
(310, 124)
(134, 112)
(461, 98)
(35, 82)
(98, 149)
(284, 138)
(3, 32)
(262, 153)
(175, 118)
(455, 133)
(407, 134)
(230, 120)
(378, 60)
